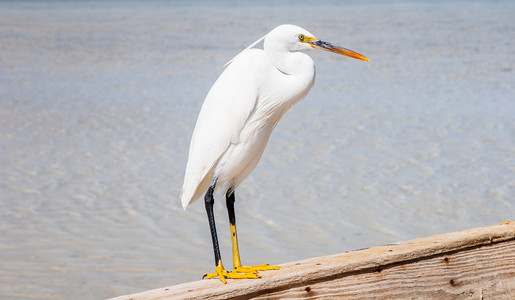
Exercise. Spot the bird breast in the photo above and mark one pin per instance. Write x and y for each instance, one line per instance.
(276, 93)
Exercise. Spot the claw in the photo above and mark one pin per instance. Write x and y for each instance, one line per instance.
(247, 269)
(234, 274)
(220, 272)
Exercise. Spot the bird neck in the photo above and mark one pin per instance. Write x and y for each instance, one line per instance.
(289, 63)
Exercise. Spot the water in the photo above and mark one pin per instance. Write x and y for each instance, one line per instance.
(98, 101)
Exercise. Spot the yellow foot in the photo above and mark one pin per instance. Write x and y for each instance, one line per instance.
(234, 274)
(254, 269)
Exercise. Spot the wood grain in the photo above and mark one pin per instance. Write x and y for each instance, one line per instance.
(470, 264)
(479, 273)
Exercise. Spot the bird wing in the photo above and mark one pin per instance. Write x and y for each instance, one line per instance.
(221, 120)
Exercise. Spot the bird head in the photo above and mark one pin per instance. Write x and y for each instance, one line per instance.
(295, 38)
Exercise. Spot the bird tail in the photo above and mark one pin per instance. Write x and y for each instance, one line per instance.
(184, 200)
(192, 190)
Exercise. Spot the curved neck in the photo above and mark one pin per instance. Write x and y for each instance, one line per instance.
(289, 63)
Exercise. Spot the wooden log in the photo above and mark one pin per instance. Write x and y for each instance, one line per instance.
(470, 264)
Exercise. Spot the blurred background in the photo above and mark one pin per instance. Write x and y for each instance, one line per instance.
(98, 101)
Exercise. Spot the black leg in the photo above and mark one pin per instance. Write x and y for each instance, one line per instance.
(209, 201)
(220, 271)
(229, 198)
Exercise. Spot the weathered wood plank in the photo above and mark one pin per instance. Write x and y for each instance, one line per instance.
(476, 263)
(473, 273)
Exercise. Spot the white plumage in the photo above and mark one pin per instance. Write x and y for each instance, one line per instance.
(242, 108)
(237, 118)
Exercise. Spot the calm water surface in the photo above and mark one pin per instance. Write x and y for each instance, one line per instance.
(98, 101)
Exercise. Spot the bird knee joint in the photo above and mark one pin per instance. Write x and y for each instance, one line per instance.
(209, 199)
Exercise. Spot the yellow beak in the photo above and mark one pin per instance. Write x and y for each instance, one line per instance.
(318, 44)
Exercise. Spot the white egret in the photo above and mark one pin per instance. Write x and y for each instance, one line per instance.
(237, 118)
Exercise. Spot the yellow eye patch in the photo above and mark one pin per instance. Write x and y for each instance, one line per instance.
(305, 39)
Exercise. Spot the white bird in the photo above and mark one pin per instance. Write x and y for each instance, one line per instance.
(236, 120)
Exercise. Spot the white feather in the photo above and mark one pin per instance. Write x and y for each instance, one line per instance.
(242, 108)
(250, 46)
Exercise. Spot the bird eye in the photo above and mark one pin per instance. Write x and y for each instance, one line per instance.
(301, 37)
